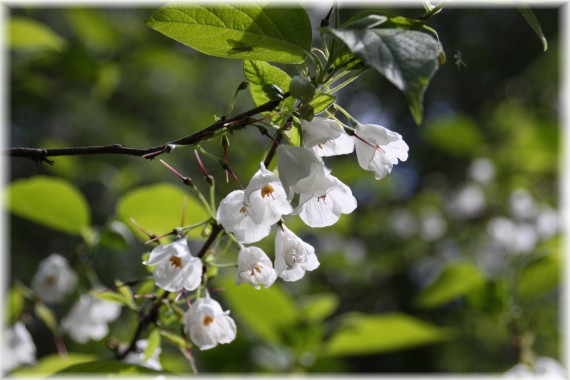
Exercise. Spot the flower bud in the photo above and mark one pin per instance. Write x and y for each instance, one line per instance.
(301, 88)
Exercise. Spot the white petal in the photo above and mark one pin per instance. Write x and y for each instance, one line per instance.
(344, 144)
(319, 130)
(233, 216)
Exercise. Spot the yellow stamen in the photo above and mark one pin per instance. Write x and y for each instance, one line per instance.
(266, 190)
(208, 319)
(176, 261)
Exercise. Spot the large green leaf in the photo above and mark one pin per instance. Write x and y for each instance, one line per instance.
(266, 312)
(52, 363)
(540, 276)
(262, 78)
(238, 30)
(316, 307)
(158, 209)
(454, 281)
(407, 58)
(361, 334)
(106, 366)
(53, 202)
(24, 33)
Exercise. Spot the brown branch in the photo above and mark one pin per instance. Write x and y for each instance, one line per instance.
(242, 119)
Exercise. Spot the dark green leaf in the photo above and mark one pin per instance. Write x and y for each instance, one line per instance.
(53, 202)
(407, 58)
(361, 334)
(454, 281)
(530, 18)
(234, 30)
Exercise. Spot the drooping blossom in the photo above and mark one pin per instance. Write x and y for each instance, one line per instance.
(207, 324)
(89, 317)
(54, 279)
(233, 215)
(326, 137)
(255, 268)
(18, 348)
(137, 356)
(325, 208)
(176, 268)
(293, 256)
(378, 149)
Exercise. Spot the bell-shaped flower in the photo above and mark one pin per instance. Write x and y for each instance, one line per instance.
(293, 256)
(326, 137)
(207, 324)
(54, 279)
(138, 357)
(176, 268)
(18, 347)
(300, 170)
(325, 208)
(233, 215)
(255, 268)
(378, 149)
(89, 317)
(265, 198)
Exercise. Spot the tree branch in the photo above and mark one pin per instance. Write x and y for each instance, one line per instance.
(243, 119)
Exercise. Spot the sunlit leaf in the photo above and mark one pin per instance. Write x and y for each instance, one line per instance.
(321, 101)
(153, 343)
(407, 58)
(175, 339)
(52, 363)
(316, 307)
(361, 334)
(95, 30)
(234, 30)
(158, 209)
(266, 312)
(454, 281)
(531, 19)
(107, 367)
(540, 276)
(15, 305)
(52, 202)
(109, 295)
(24, 33)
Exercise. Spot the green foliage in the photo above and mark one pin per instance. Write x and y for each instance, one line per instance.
(109, 367)
(361, 334)
(158, 209)
(93, 28)
(46, 315)
(454, 281)
(153, 343)
(456, 135)
(321, 102)
(241, 31)
(15, 307)
(407, 58)
(53, 202)
(28, 34)
(316, 307)
(540, 276)
(51, 364)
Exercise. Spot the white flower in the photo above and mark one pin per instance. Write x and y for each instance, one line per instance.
(300, 170)
(325, 208)
(255, 268)
(176, 267)
(482, 170)
(543, 368)
(326, 137)
(54, 279)
(378, 149)
(233, 215)
(19, 348)
(265, 198)
(208, 324)
(88, 318)
(137, 356)
(293, 256)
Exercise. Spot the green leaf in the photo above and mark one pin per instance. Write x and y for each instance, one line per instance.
(106, 366)
(295, 134)
(361, 334)
(153, 343)
(158, 209)
(321, 102)
(455, 135)
(27, 34)
(316, 307)
(175, 339)
(381, 19)
(53, 202)
(15, 307)
(109, 295)
(267, 312)
(540, 276)
(454, 281)
(407, 58)
(95, 30)
(52, 363)
(46, 316)
(530, 18)
(242, 31)
(127, 294)
(261, 76)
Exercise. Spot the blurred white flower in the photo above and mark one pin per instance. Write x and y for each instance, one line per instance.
(325, 208)
(18, 348)
(207, 324)
(89, 317)
(516, 237)
(300, 170)
(255, 268)
(547, 222)
(293, 256)
(233, 215)
(522, 205)
(468, 202)
(54, 279)
(378, 149)
(432, 225)
(176, 268)
(326, 137)
(403, 223)
(482, 170)
(543, 368)
(137, 356)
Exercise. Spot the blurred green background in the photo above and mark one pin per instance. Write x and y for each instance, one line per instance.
(476, 201)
